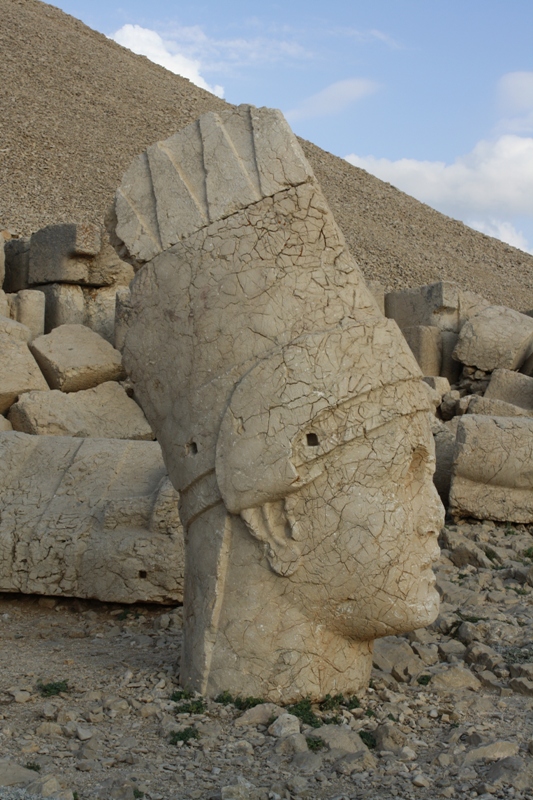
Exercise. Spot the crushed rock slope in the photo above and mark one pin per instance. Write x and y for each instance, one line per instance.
(77, 108)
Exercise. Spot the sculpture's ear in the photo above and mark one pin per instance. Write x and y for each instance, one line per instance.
(269, 524)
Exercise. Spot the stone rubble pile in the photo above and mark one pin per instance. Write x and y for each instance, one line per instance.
(477, 360)
(86, 507)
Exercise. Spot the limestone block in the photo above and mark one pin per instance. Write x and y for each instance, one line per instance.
(65, 305)
(5, 424)
(511, 387)
(74, 253)
(19, 371)
(100, 311)
(27, 307)
(492, 476)
(495, 408)
(426, 343)
(17, 253)
(291, 414)
(103, 411)
(72, 357)
(12, 328)
(496, 338)
(434, 305)
(91, 518)
(122, 317)
(439, 385)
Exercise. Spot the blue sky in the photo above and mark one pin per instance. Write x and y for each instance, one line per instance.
(434, 96)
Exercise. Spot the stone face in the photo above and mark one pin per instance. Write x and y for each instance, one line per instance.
(88, 518)
(72, 357)
(492, 477)
(19, 371)
(103, 411)
(511, 387)
(496, 338)
(291, 414)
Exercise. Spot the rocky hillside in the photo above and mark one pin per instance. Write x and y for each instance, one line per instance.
(77, 107)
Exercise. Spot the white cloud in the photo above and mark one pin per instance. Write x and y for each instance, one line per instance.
(146, 42)
(515, 100)
(501, 229)
(332, 99)
(491, 184)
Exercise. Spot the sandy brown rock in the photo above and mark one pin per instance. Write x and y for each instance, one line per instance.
(496, 338)
(104, 411)
(72, 357)
(512, 388)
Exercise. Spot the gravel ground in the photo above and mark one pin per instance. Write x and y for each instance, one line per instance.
(76, 108)
(449, 708)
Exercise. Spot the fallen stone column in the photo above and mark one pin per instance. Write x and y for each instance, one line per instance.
(94, 518)
(492, 475)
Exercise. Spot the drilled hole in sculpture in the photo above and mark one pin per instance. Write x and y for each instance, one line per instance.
(312, 440)
(192, 449)
(142, 573)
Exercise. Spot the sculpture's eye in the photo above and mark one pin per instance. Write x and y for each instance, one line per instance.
(192, 448)
(312, 440)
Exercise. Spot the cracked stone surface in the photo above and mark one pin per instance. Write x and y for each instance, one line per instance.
(291, 414)
(88, 518)
(492, 476)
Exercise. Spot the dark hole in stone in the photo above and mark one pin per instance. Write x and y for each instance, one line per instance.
(192, 448)
(312, 440)
(142, 573)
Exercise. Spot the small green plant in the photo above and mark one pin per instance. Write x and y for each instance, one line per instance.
(392, 717)
(423, 680)
(225, 698)
(53, 688)
(491, 554)
(123, 615)
(315, 743)
(187, 735)
(334, 720)
(197, 706)
(244, 703)
(137, 793)
(33, 766)
(180, 694)
(528, 553)
(352, 702)
(75, 796)
(369, 713)
(510, 531)
(305, 713)
(368, 738)
(331, 703)
(520, 591)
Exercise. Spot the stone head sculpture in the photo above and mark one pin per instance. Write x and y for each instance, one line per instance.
(291, 414)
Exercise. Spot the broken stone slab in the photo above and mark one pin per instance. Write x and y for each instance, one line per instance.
(103, 411)
(425, 342)
(28, 307)
(454, 678)
(12, 774)
(491, 752)
(463, 551)
(495, 408)
(17, 256)
(393, 654)
(75, 253)
(72, 357)
(496, 338)
(4, 304)
(256, 349)
(492, 476)
(13, 328)
(5, 424)
(436, 304)
(511, 387)
(93, 518)
(19, 372)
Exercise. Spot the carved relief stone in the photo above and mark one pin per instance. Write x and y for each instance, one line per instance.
(291, 414)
